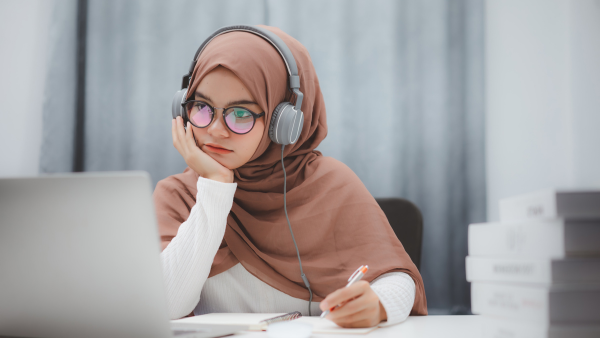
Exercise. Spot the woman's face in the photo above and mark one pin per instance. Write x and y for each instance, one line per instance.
(221, 88)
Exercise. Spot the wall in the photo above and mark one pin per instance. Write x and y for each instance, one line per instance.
(23, 30)
(542, 96)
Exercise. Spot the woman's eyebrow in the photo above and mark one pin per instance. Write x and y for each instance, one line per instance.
(231, 103)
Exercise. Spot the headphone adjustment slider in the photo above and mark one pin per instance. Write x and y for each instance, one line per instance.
(294, 81)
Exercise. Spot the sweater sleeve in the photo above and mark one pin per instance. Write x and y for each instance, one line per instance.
(396, 292)
(186, 261)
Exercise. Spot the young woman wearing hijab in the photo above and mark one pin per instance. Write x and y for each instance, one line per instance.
(225, 238)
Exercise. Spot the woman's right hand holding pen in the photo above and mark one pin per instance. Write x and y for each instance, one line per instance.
(355, 305)
(359, 306)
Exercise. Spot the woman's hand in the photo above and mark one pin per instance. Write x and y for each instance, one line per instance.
(199, 161)
(360, 306)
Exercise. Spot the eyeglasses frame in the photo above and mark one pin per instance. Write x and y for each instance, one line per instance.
(214, 109)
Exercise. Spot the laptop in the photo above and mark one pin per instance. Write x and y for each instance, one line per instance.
(80, 257)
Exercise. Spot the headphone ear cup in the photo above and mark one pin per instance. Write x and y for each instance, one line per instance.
(274, 119)
(286, 124)
(176, 108)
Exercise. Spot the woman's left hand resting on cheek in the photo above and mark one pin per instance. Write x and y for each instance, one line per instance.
(194, 157)
(360, 306)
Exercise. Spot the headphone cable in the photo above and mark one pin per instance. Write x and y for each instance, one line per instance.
(294, 239)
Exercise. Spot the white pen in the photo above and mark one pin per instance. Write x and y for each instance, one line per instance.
(356, 276)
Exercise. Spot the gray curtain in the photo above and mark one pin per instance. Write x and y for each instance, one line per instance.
(402, 81)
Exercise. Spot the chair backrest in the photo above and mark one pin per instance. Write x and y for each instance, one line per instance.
(407, 222)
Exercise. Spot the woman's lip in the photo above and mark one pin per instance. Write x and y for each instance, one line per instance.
(217, 149)
(214, 145)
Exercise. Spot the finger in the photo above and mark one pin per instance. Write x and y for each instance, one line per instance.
(173, 130)
(189, 136)
(337, 306)
(181, 134)
(191, 142)
(344, 294)
(180, 128)
(354, 306)
(175, 136)
(364, 318)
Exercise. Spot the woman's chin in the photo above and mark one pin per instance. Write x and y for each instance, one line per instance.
(223, 161)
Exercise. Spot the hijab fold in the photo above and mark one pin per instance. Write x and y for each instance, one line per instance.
(337, 224)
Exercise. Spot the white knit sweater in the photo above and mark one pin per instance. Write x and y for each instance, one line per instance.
(186, 263)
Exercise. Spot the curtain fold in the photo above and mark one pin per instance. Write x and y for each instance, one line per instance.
(402, 81)
(58, 109)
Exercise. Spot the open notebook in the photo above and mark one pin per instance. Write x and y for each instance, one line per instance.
(252, 320)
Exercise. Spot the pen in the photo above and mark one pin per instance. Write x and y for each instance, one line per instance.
(356, 276)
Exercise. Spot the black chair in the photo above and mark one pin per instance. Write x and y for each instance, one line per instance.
(407, 222)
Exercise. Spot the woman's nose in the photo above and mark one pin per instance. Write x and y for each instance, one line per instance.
(218, 127)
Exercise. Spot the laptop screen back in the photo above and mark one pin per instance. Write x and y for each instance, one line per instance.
(79, 257)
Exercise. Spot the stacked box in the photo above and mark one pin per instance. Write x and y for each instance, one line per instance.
(536, 273)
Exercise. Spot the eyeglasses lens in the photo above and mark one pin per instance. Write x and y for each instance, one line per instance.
(200, 114)
(239, 120)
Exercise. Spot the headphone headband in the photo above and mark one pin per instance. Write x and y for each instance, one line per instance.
(273, 39)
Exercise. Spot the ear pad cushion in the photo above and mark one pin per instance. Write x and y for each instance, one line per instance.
(176, 108)
(275, 119)
(286, 124)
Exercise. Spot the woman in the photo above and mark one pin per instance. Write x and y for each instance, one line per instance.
(226, 243)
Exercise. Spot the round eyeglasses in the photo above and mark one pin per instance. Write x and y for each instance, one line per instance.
(238, 119)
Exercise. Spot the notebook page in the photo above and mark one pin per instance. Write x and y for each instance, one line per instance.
(252, 320)
(322, 325)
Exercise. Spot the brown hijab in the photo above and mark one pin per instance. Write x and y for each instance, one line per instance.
(338, 225)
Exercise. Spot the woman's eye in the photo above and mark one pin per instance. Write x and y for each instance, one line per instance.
(241, 114)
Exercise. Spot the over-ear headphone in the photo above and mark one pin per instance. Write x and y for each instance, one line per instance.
(287, 119)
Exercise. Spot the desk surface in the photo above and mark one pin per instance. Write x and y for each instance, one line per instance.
(422, 327)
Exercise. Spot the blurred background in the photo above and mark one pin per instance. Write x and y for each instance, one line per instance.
(451, 104)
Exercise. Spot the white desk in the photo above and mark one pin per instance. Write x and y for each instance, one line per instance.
(413, 327)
